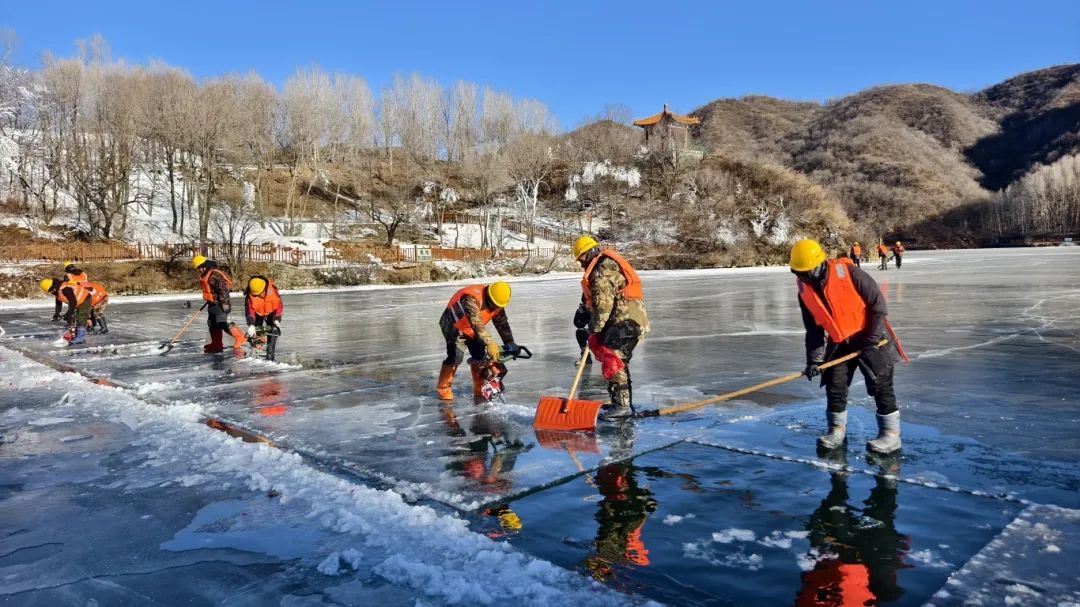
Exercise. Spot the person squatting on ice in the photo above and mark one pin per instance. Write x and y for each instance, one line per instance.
(463, 325)
(844, 311)
(215, 285)
(263, 310)
(79, 299)
(617, 318)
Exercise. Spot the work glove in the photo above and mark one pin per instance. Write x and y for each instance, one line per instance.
(493, 351)
(582, 317)
(251, 331)
(225, 308)
(812, 370)
(277, 323)
(512, 349)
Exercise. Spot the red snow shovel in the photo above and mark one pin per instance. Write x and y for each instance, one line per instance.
(554, 413)
(168, 345)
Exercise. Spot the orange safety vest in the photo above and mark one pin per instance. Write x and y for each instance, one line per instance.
(882, 250)
(80, 277)
(836, 584)
(856, 251)
(461, 317)
(898, 249)
(843, 312)
(81, 292)
(98, 292)
(204, 282)
(632, 290)
(267, 303)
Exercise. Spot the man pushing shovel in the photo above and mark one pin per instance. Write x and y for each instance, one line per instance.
(844, 312)
(617, 318)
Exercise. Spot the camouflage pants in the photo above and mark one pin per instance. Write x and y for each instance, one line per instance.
(622, 337)
(457, 343)
(98, 311)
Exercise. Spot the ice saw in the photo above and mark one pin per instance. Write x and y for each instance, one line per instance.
(493, 373)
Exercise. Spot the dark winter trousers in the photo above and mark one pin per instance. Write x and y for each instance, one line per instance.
(80, 315)
(876, 365)
(899, 258)
(622, 337)
(581, 322)
(457, 343)
(217, 319)
(884, 262)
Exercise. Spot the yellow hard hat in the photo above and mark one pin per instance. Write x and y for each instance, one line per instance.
(806, 255)
(897, 243)
(197, 261)
(499, 292)
(256, 286)
(856, 242)
(46, 284)
(68, 264)
(510, 520)
(583, 245)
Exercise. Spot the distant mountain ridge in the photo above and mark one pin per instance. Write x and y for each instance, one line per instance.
(899, 155)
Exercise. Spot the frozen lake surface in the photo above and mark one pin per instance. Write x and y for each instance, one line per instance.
(371, 491)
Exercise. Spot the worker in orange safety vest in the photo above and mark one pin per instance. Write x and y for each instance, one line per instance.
(215, 285)
(617, 320)
(463, 324)
(843, 312)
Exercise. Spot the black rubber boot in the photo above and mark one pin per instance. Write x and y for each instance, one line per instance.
(103, 327)
(621, 405)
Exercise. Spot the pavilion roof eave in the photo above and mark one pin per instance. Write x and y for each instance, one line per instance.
(656, 118)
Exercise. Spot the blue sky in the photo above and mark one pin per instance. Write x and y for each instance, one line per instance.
(579, 56)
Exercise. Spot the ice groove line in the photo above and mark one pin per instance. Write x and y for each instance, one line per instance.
(825, 466)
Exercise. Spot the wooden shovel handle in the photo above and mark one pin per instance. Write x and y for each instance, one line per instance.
(184, 328)
(577, 377)
(767, 384)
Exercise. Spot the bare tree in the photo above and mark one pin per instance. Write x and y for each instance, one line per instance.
(465, 132)
(309, 116)
(530, 160)
(258, 102)
(498, 119)
(166, 104)
(232, 220)
(392, 209)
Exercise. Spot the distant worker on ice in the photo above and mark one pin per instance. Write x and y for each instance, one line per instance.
(844, 311)
(73, 274)
(463, 325)
(883, 256)
(78, 299)
(216, 285)
(898, 253)
(581, 329)
(617, 317)
(262, 310)
(856, 253)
